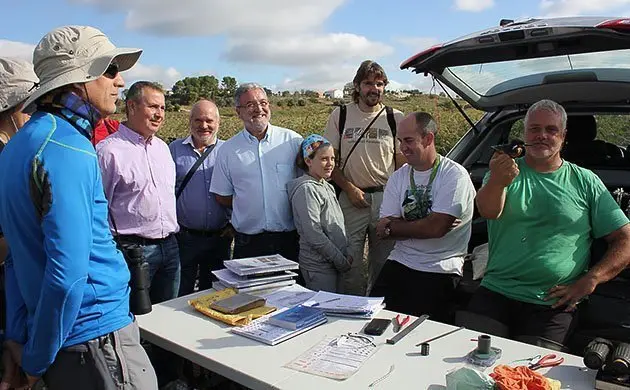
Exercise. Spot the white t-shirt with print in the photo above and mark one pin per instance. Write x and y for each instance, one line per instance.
(452, 193)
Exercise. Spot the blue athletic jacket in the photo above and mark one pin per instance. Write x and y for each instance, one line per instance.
(66, 283)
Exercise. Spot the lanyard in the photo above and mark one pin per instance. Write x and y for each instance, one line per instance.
(434, 170)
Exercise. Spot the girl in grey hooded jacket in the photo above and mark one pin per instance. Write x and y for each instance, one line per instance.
(318, 217)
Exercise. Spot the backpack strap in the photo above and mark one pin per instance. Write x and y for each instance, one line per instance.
(343, 112)
(391, 120)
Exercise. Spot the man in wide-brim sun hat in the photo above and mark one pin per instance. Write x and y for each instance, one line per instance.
(68, 317)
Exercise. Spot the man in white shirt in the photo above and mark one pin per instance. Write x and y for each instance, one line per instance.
(427, 208)
(251, 175)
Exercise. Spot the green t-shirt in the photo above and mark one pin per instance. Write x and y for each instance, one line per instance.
(544, 235)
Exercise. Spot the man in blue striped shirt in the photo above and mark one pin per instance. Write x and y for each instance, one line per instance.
(201, 218)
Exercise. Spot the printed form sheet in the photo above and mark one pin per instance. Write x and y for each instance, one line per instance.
(335, 357)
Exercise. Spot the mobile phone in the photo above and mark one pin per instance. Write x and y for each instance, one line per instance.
(377, 326)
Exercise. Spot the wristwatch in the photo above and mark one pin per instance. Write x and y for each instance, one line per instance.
(388, 230)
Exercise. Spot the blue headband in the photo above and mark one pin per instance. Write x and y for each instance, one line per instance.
(312, 143)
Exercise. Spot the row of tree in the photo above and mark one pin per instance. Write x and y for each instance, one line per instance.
(191, 89)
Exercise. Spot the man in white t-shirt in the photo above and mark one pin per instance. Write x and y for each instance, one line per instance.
(427, 208)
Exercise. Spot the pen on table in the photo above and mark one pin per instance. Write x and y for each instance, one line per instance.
(319, 303)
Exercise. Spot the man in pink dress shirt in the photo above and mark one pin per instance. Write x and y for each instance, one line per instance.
(139, 181)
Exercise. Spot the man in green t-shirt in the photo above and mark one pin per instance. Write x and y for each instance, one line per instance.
(543, 215)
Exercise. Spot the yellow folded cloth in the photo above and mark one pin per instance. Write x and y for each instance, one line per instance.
(202, 304)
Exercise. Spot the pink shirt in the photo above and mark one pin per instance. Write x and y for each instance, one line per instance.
(139, 183)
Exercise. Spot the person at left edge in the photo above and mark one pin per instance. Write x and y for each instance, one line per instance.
(17, 78)
(68, 295)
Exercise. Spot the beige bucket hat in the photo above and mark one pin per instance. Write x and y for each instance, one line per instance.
(76, 54)
(17, 81)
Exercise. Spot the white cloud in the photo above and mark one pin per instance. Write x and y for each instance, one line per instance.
(16, 49)
(165, 76)
(321, 78)
(556, 8)
(473, 5)
(276, 32)
(418, 43)
(306, 50)
(212, 17)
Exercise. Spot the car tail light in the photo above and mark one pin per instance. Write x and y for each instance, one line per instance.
(425, 53)
(622, 25)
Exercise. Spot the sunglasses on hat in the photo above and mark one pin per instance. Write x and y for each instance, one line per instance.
(111, 71)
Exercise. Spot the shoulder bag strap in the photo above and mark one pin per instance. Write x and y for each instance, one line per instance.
(193, 169)
(361, 137)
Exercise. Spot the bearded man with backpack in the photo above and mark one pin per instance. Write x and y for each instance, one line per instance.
(363, 134)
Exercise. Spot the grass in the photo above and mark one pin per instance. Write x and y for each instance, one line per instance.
(313, 117)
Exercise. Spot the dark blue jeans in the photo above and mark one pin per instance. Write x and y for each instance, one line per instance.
(201, 254)
(164, 269)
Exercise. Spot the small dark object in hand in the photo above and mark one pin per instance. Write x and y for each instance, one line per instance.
(514, 149)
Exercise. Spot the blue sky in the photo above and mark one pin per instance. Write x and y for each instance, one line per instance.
(282, 44)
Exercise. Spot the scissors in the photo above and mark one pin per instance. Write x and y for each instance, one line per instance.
(549, 360)
(398, 324)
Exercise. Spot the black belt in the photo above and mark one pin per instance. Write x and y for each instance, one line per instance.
(135, 239)
(199, 233)
(371, 190)
(268, 234)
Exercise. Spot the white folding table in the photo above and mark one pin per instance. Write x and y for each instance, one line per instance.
(176, 326)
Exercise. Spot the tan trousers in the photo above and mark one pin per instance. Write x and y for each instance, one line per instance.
(361, 224)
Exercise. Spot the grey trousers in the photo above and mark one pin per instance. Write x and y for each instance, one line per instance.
(325, 280)
(361, 225)
(115, 361)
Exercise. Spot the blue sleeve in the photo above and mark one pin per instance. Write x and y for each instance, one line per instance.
(15, 306)
(68, 190)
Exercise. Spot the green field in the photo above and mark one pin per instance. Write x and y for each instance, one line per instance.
(312, 118)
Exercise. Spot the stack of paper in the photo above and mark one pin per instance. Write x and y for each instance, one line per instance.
(261, 330)
(256, 273)
(287, 296)
(346, 305)
(260, 265)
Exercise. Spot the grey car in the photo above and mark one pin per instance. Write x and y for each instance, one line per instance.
(582, 63)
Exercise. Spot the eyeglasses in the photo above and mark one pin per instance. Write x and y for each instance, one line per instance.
(252, 105)
(112, 71)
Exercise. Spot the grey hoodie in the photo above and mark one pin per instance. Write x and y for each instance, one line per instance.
(319, 222)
